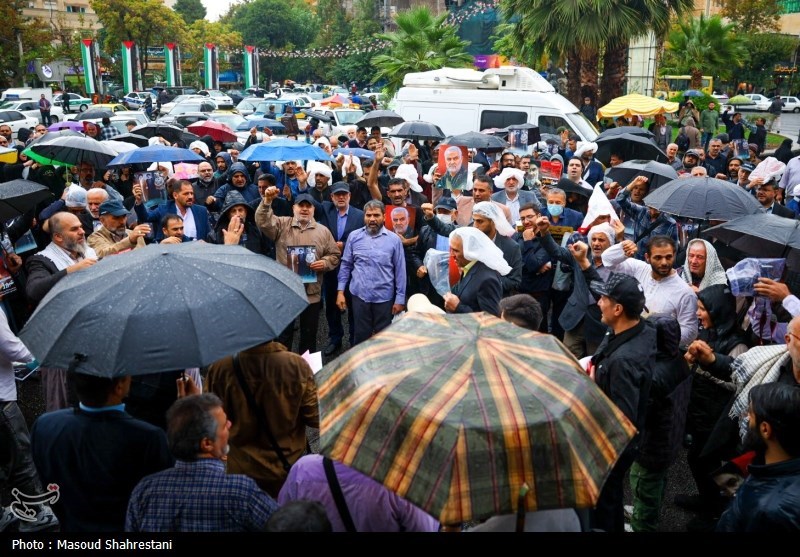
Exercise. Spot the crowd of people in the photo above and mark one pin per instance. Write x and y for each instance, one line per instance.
(646, 306)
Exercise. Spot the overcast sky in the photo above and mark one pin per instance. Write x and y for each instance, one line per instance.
(216, 8)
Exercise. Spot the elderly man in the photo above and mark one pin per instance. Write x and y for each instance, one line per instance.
(481, 191)
(487, 219)
(447, 213)
(672, 156)
(512, 196)
(455, 176)
(374, 265)
(482, 266)
(197, 494)
(205, 184)
(702, 267)
(316, 182)
(114, 237)
(196, 223)
(290, 234)
(94, 198)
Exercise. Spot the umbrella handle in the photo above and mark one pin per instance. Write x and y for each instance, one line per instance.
(78, 358)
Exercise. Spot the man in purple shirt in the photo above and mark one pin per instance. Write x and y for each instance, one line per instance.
(374, 264)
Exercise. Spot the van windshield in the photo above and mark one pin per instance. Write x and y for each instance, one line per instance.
(583, 125)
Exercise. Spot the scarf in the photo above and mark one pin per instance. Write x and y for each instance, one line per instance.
(715, 272)
(761, 364)
(61, 258)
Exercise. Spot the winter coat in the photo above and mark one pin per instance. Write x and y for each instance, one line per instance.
(252, 238)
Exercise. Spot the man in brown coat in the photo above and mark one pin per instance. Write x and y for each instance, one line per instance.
(307, 248)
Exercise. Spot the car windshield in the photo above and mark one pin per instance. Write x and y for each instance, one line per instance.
(230, 120)
(583, 125)
(7, 105)
(183, 108)
(215, 93)
(349, 116)
(263, 107)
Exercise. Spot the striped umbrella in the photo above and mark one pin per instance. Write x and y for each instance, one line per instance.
(456, 412)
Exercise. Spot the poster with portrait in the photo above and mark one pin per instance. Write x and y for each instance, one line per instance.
(550, 171)
(402, 220)
(299, 260)
(741, 148)
(518, 139)
(154, 187)
(454, 160)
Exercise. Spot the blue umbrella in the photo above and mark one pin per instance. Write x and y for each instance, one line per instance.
(360, 153)
(260, 123)
(693, 93)
(156, 153)
(284, 150)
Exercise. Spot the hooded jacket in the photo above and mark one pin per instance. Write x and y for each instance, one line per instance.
(223, 176)
(252, 238)
(249, 191)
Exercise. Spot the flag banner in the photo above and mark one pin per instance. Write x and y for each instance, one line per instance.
(128, 71)
(171, 64)
(89, 66)
(211, 69)
(250, 63)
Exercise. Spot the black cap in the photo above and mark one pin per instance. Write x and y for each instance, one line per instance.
(304, 197)
(623, 289)
(393, 164)
(446, 202)
(112, 207)
(340, 186)
(747, 167)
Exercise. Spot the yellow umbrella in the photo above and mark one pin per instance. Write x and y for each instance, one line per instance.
(8, 155)
(636, 105)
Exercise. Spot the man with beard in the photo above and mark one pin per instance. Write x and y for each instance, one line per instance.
(205, 184)
(66, 253)
(224, 163)
(507, 160)
(512, 196)
(665, 291)
(172, 229)
(766, 194)
(691, 158)
(767, 501)
(113, 237)
(86, 175)
(239, 181)
(179, 499)
(195, 218)
(647, 221)
(374, 266)
(455, 178)
(594, 169)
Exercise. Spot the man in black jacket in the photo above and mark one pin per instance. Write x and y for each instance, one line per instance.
(623, 369)
(237, 226)
(482, 265)
(446, 211)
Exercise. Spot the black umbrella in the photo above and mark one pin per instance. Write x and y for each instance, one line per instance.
(629, 147)
(94, 114)
(135, 138)
(657, 173)
(19, 196)
(153, 129)
(761, 235)
(416, 129)
(49, 136)
(476, 140)
(69, 150)
(633, 130)
(571, 187)
(533, 131)
(318, 115)
(220, 300)
(381, 118)
(703, 198)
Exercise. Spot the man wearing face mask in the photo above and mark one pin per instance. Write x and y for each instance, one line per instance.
(446, 212)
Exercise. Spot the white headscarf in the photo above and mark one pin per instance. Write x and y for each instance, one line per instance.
(584, 146)
(428, 176)
(603, 228)
(409, 173)
(478, 247)
(500, 180)
(490, 210)
(315, 168)
(200, 145)
(167, 165)
(347, 160)
(599, 206)
(279, 164)
(715, 272)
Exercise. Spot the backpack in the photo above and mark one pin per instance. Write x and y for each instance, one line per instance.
(682, 141)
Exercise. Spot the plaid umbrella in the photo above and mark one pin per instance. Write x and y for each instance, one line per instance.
(456, 412)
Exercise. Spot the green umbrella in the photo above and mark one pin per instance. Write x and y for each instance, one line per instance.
(456, 413)
(740, 99)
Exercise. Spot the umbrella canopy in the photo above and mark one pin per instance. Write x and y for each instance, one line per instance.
(633, 130)
(629, 147)
(284, 150)
(740, 99)
(156, 153)
(153, 129)
(475, 140)
(635, 104)
(360, 153)
(381, 118)
(761, 235)
(703, 198)
(217, 130)
(70, 151)
(657, 173)
(8, 155)
(184, 171)
(119, 147)
(215, 305)
(318, 115)
(260, 123)
(134, 138)
(335, 99)
(692, 93)
(95, 114)
(456, 412)
(416, 129)
(66, 125)
(19, 196)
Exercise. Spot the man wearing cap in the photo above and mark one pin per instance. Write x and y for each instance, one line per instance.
(374, 267)
(298, 231)
(74, 200)
(691, 158)
(482, 266)
(623, 369)
(446, 212)
(114, 237)
(195, 218)
(512, 196)
(341, 219)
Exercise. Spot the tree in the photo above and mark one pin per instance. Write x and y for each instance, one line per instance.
(701, 46)
(203, 31)
(364, 25)
(422, 42)
(765, 51)
(753, 16)
(24, 39)
(334, 29)
(146, 22)
(190, 10)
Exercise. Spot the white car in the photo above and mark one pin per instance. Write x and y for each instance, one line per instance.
(761, 103)
(31, 108)
(791, 104)
(17, 120)
(135, 99)
(76, 102)
(220, 98)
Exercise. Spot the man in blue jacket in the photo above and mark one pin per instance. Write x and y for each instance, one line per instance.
(239, 180)
(195, 217)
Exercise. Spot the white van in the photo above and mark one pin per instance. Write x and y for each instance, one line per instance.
(460, 100)
(26, 93)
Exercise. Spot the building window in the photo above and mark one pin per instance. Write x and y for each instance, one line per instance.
(76, 9)
(790, 6)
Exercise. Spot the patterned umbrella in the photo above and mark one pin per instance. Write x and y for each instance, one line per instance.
(456, 412)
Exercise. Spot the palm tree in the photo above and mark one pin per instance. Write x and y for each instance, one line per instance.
(703, 46)
(422, 42)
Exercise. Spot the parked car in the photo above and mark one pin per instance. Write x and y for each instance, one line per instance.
(760, 102)
(135, 99)
(31, 108)
(76, 102)
(236, 95)
(17, 120)
(166, 107)
(137, 116)
(217, 96)
(791, 104)
(247, 106)
(280, 107)
(204, 106)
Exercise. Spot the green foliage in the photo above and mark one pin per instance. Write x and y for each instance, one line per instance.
(701, 103)
(190, 10)
(202, 32)
(334, 29)
(35, 40)
(422, 42)
(764, 52)
(753, 16)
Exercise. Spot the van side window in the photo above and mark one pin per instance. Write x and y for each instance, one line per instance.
(501, 118)
(549, 124)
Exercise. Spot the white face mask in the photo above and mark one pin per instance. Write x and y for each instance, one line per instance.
(447, 219)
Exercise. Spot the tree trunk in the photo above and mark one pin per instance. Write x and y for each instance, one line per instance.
(697, 78)
(615, 70)
(589, 61)
(574, 76)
